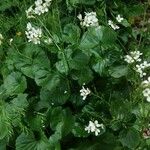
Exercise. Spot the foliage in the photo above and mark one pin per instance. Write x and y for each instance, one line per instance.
(40, 103)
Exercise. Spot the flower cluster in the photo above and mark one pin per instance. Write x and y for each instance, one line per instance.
(133, 57)
(41, 7)
(113, 25)
(141, 67)
(119, 18)
(90, 19)
(146, 91)
(33, 34)
(1, 38)
(84, 92)
(94, 127)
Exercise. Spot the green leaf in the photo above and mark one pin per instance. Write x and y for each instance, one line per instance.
(47, 79)
(130, 139)
(63, 116)
(79, 60)
(62, 66)
(78, 130)
(101, 65)
(15, 83)
(5, 125)
(118, 71)
(96, 36)
(32, 61)
(84, 75)
(71, 33)
(16, 109)
(32, 141)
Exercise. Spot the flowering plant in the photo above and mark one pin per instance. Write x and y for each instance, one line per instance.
(75, 75)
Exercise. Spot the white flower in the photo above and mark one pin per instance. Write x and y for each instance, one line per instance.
(119, 18)
(40, 7)
(1, 38)
(10, 41)
(113, 25)
(90, 19)
(79, 17)
(133, 57)
(146, 83)
(140, 68)
(48, 41)
(30, 12)
(33, 34)
(146, 93)
(84, 92)
(94, 127)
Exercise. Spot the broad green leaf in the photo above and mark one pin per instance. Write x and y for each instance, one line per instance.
(130, 139)
(94, 37)
(5, 125)
(32, 141)
(79, 60)
(16, 109)
(15, 83)
(84, 75)
(71, 33)
(101, 65)
(31, 59)
(62, 66)
(64, 117)
(118, 71)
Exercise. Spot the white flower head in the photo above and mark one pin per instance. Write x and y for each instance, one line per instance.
(89, 20)
(133, 56)
(48, 41)
(94, 127)
(119, 18)
(146, 83)
(113, 25)
(84, 92)
(79, 17)
(33, 34)
(146, 94)
(30, 12)
(40, 7)
(141, 67)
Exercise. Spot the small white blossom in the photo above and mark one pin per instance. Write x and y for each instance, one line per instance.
(119, 18)
(33, 34)
(79, 17)
(10, 41)
(146, 83)
(146, 94)
(30, 12)
(94, 127)
(113, 25)
(40, 7)
(84, 92)
(141, 67)
(48, 41)
(133, 57)
(1, 38)
(90, 19)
